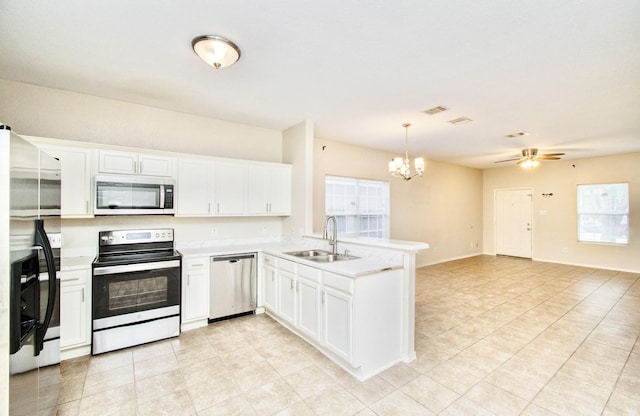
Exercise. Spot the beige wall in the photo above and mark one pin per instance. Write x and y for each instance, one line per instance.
(298, 151)
(555, 218)
(37, 111)
(443, 208)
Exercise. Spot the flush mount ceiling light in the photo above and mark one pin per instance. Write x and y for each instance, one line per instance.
(216, 50)
(401, 168)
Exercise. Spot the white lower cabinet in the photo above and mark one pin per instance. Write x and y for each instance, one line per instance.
(75, 312)
(337, 318)
(355, 321)
(287, 293)
(195, 292)
(269, 282)
(309, 296)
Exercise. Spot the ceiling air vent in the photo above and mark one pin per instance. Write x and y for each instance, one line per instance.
(459, 120)
(518, 134)
(436, 110)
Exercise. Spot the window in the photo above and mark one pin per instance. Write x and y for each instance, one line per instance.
(361, 207)
(603, 213)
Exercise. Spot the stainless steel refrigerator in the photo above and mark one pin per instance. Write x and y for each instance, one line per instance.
(31, 280)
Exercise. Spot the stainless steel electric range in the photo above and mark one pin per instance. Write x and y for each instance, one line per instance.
(136, 289)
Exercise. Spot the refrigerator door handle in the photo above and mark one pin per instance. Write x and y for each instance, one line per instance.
(43, 241)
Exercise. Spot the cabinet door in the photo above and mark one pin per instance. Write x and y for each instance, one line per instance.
(193, 187)
(258, 202)
(118, 162)
(230, 188)
(75, 166)
(309, 307)
(337, 322)
(287, 298)
(269, 190)
(269, 276)
(195, 293)
(75, 313)
(155, 165)
(280, 190)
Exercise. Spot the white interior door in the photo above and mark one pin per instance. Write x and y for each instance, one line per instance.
(513, 222)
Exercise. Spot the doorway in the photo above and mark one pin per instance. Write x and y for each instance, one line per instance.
(513, 223)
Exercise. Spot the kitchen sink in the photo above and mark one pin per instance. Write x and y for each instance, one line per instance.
(309, 253)
(321, 256)
(329, 258)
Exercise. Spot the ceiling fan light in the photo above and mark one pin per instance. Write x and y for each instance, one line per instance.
(216, 50)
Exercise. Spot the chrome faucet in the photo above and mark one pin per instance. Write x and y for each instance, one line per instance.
(334, 238)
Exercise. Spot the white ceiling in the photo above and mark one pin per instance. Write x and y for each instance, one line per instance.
(567, 72)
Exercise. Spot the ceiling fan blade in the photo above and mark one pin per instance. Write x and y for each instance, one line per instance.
(552, 154)
(524, 159)
(550, 158)
(506, 160)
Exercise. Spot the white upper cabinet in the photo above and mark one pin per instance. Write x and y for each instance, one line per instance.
(75, 166)
(269, 190)
(111, 161)
(211, 188)
(230, 192)
(193, 187)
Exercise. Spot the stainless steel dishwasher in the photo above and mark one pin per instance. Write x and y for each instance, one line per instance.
(232, 285)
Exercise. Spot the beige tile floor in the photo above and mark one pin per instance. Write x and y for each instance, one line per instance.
(494, 336)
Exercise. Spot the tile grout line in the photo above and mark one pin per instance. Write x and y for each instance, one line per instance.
(630, 351)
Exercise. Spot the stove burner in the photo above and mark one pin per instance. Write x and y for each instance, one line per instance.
(108, 259)
(135, 246)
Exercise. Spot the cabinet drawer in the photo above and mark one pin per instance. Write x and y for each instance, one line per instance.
(287, 265)
(75, 277)
(309, 273)
(338, 282)
(196, 263)
(268, 260)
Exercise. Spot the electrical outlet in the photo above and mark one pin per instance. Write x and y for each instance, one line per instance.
(265, 230)
(565, 249)
(214, 231)
(55, 240)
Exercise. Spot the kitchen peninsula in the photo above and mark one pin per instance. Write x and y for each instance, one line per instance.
(359, 312)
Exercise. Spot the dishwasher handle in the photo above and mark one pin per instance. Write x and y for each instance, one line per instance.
(234, 257)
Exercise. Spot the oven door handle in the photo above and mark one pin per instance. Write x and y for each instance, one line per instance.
(137, 267)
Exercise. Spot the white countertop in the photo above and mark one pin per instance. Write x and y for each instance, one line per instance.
(410, 246)
(76, 263)
(375, 255)
(371, 260)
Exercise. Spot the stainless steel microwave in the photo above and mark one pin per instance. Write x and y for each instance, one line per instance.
(133, 195)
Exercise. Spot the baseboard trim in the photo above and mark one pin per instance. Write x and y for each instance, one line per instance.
(542, 260)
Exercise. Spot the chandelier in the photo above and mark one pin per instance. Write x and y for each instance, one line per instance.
(401, 168)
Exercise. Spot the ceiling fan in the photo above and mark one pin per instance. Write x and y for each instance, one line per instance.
(531, 158)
